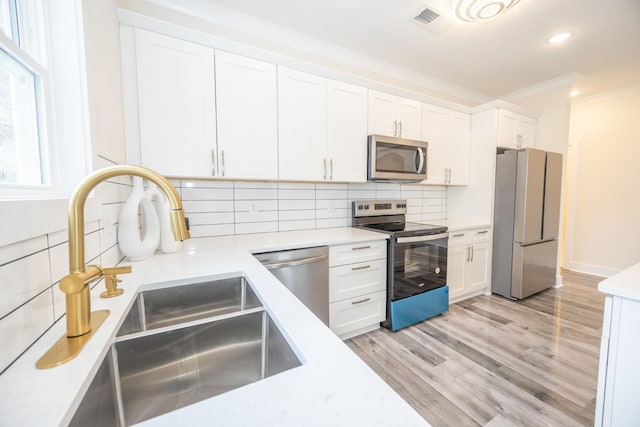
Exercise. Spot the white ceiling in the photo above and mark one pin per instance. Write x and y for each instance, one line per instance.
(493, 58)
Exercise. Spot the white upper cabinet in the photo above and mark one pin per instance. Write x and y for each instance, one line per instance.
(247, 113)
(322, 128)
(394, 116)
(302, 124)
(515, 130)
(176, 104)
(347, 127)
(448, 134)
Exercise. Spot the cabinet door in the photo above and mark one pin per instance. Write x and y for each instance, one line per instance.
(507, 129)
(176, 104)
(459, 147)
(382, 114)
(456, 268)
(247, 117)
(347, 132)
(478, 268)
(409, 116)
(527, 131)
(302, 125)
(435, 126)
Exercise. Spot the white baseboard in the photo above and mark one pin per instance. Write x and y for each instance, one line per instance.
(558, 282)
(595, 270)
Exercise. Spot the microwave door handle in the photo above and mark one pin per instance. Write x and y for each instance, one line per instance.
(420, 155)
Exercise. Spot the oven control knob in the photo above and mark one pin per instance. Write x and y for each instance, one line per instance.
(437, 270)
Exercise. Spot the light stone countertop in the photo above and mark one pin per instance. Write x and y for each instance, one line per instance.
(454, 225)
(332, 387)
(624, 284)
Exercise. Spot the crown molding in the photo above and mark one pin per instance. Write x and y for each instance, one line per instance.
(605, 96)
(565, 80)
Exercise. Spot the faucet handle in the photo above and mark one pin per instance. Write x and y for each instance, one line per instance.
(111, 280)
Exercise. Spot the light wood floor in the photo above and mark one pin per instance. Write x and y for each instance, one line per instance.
(495, 362)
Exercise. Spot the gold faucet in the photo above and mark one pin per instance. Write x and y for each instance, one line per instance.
(81, 323)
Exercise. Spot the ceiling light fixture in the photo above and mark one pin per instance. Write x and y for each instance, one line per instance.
(559, 38)
(481, 10)
(574, 92)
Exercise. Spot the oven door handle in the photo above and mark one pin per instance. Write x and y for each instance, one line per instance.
(428, 238)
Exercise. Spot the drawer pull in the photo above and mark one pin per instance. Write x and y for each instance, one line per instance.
(483, 232)
(360, 301)
(458, 235)
(362, 267)
(357, 248)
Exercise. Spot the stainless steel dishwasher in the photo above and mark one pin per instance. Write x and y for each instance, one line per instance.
(305, 272)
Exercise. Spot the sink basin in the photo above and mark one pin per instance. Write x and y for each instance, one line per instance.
(161, 364)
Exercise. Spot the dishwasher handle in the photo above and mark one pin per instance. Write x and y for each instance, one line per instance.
(296, 262)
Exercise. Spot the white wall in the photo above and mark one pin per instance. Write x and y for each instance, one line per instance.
(603, 222)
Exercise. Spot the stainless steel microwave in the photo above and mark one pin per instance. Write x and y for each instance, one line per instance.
(399, 159)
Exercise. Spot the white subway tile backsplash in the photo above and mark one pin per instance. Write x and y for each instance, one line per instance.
(331, 186)
(369, 194)
(413, 217)
(22, 327)
(256, 227)
(333, 204)
(256, 205)
(296, 193)
(325, 194)
(211, 218)
(296, 225)
(59, 261)
(212, 230)
(258, 216)
(332, 213)
(14, 251)
(387, 194)
(207, 206)
(255, 193)
(284, 205)
(22, 280)
(297, 215)
(387, 186)
(333, 222)
(256, 185)
(296, 186)
(205, 184)
(207, 193)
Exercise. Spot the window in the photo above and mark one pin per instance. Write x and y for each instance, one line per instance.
(24, 159)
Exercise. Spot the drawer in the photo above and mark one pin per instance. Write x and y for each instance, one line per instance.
(357, 313)
(350, 281)
(477, 235)
(357, 252)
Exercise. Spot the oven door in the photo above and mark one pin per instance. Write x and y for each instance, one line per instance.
(419, 264)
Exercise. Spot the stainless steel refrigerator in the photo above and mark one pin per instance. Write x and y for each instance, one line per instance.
(526, 222)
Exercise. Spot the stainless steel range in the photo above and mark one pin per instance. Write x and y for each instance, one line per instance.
(416, 261)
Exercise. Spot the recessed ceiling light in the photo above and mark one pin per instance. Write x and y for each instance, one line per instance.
(574, 92)
(559, 38)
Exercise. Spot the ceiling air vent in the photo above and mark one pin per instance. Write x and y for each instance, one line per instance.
(431, 20)
(427, 16)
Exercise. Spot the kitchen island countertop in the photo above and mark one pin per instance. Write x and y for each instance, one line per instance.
(332, 387)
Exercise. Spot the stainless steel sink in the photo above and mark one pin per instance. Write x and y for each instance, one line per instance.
(183, 359)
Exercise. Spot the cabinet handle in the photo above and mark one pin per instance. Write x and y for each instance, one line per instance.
(471, 253)
(449, 180)
(458, 235)
(395, 128)
(400, 127)
(468, 254)
(222, 158)
(360, 301)
(482, 232)
(331, 169)
(519, 140)
(324, 167)
(445, 175)
(357, 248)
(213, 161)
(362, 267)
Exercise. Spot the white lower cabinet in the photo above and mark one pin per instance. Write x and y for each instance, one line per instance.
(357, 287)
(468, 259)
